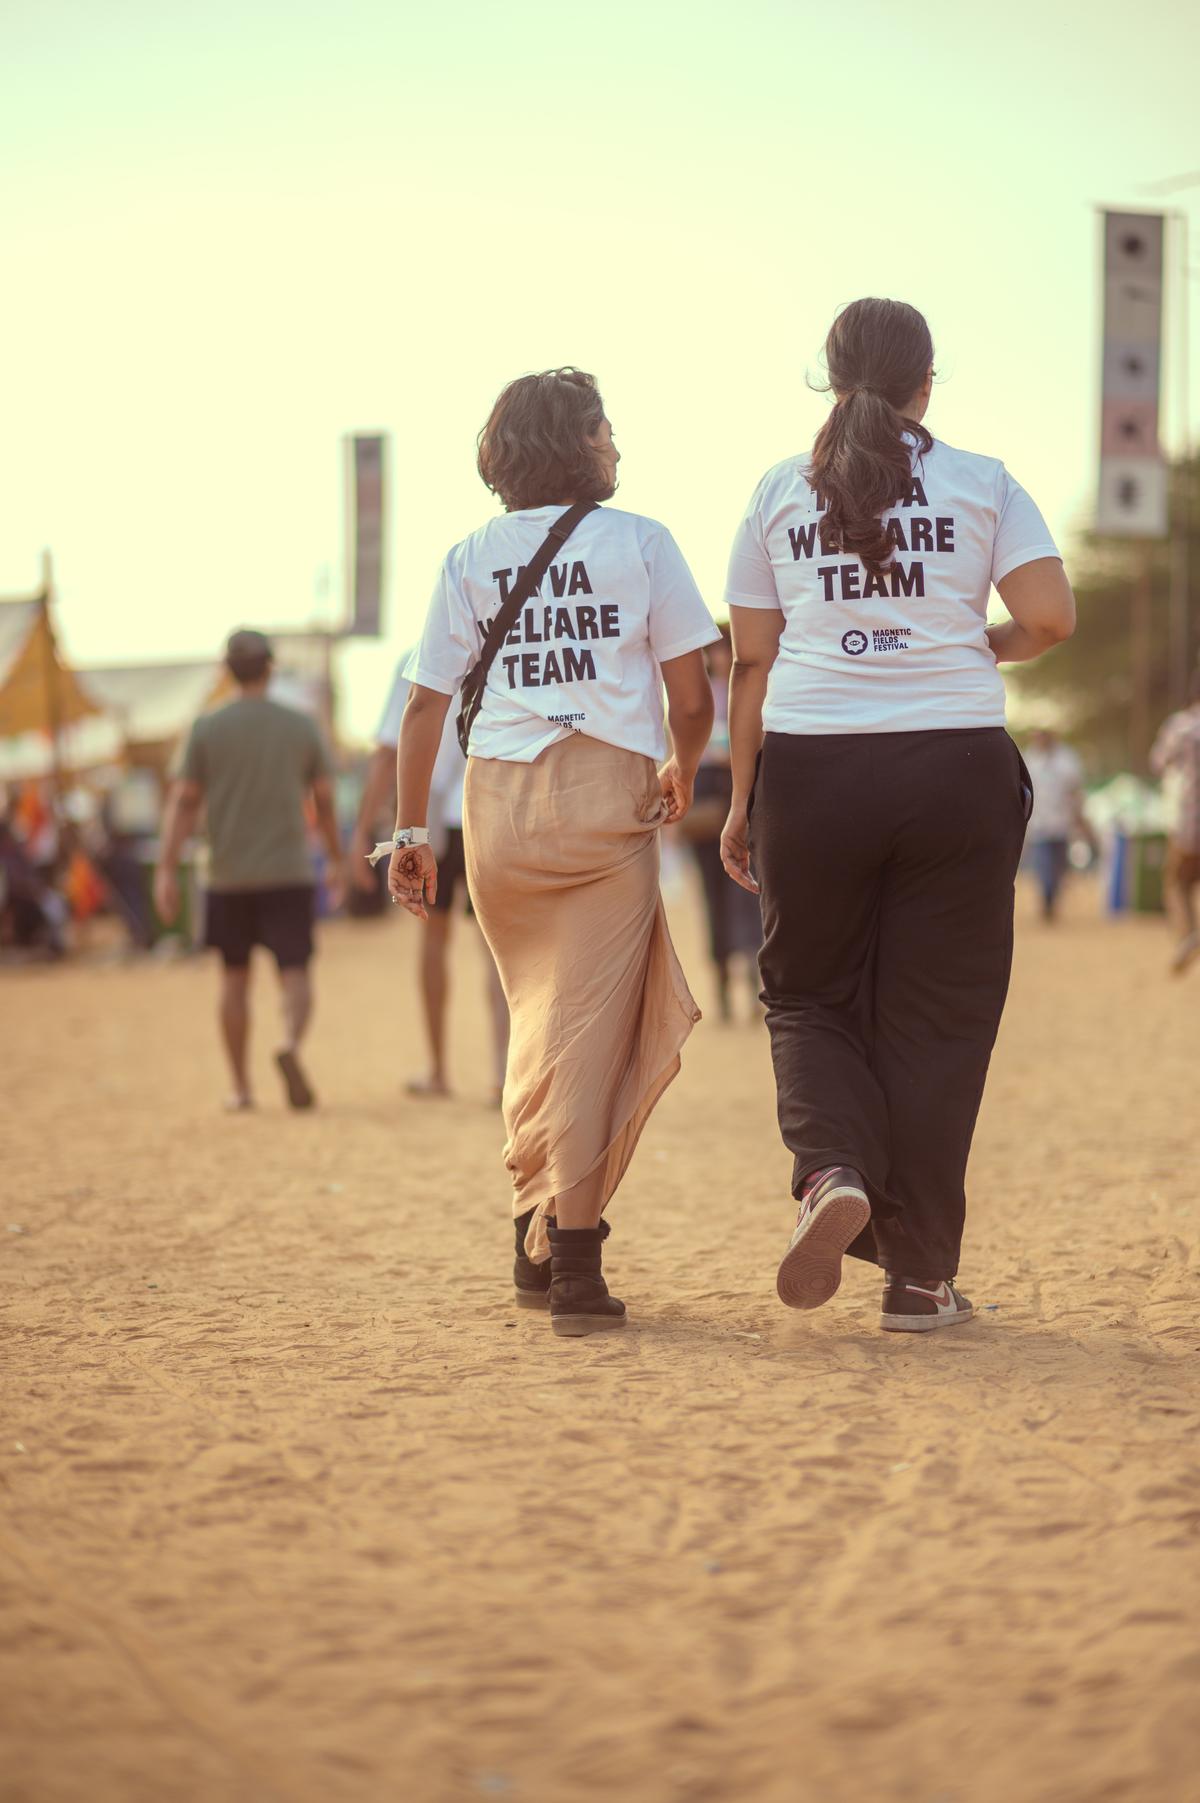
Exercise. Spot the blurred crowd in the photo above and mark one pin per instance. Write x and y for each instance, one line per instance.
(63, 866)
(76, 863)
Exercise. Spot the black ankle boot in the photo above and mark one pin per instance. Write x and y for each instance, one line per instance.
(531, 1283)
(579, 1298)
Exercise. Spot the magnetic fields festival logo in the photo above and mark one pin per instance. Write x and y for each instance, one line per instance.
(854, 643)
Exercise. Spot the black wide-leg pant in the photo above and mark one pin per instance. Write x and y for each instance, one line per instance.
(887, 863)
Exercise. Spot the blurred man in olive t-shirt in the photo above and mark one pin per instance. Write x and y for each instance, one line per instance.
(251, 765)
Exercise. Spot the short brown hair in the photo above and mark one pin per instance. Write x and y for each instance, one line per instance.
(534, 448)
(248, 654)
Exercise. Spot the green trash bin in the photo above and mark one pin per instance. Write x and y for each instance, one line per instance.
(1147, 853)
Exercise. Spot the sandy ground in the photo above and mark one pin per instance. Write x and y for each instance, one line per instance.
(294, 1505)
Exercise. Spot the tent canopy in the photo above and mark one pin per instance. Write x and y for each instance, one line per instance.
(38, 691)
(155, 703)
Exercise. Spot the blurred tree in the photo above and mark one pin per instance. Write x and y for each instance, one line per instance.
(1087, 685)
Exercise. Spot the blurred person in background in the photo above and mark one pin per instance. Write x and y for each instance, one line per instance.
(81, 883)
(733, 914)
(251, 766)
(35, 823)
(588, 611)
(1176, 758)
(1057, 818)
(889, 806)
(446, 836)
(118, 862)
(33, 915)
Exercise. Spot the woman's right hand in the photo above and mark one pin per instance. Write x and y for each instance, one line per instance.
(735, 849)
(412, 878)
(676, 792)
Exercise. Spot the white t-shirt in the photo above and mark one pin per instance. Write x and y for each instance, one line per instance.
(1057, 776)
(904, 652)
(584, 656)
(450, 766)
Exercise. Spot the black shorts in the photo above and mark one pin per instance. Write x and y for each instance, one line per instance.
(452, 870)
(236, 920)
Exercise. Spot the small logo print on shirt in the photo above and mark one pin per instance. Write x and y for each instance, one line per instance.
(854, 643)
(574, 721)
(891, 638)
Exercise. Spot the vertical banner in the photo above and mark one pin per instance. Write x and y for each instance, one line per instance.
(1133, 471)
(366, 472)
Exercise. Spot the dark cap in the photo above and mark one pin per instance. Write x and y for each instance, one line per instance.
(247, 647)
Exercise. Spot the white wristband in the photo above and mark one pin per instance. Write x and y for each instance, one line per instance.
(400, 841)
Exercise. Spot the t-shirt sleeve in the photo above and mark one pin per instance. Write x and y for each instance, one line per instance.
(679, 620)
(388, 731)
(190, 766)
(1021, 533)
(449, 644)
(751, 578)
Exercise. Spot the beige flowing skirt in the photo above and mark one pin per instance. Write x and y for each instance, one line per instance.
(562, 862)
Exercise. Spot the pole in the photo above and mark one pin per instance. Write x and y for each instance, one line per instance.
(1141, 658)
(327, 634)
(50, 682)
(1179, 624)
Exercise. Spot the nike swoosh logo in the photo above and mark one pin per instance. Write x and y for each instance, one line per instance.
(943, 1295)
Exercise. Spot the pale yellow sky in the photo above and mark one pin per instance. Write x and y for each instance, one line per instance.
(237, 232)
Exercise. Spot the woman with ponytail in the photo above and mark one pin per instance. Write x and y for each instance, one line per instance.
(883, 805)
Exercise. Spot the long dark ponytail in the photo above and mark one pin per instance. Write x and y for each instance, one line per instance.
(878, 354)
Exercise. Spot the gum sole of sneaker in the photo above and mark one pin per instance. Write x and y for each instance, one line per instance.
(812, 1269)
(573, 1327)
(924, 1323)
(532, 1298)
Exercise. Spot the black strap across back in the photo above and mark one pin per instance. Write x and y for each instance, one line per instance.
(527, 584)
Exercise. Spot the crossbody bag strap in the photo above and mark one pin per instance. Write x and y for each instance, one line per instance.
(503, 622)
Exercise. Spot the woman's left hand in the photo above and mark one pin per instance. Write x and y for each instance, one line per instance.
(735, 849)
(676, 792)
(412, 878)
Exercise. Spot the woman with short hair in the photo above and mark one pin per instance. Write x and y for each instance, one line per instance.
(888, 805)
(563, 804)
